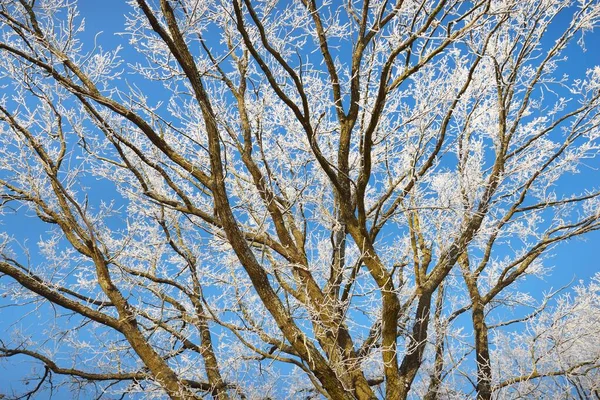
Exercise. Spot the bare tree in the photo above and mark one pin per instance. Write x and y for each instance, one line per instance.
(306, 199)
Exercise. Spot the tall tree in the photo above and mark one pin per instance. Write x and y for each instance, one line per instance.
(313, 199)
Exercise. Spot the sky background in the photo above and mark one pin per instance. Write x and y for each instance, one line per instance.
(574, 260)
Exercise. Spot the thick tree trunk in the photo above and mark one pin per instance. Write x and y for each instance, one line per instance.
(438, 365)
(482, 352)
(415, 349)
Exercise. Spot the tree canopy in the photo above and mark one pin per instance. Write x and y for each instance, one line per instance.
(306, 199)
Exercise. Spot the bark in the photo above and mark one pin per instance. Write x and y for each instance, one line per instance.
(416, 347)
(482, 352)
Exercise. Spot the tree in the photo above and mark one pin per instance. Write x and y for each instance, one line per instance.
(313, 199)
